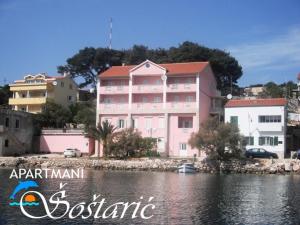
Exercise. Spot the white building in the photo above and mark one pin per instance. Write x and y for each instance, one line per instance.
(261, 121)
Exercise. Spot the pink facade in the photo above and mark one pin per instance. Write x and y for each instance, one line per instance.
(56, 141)
(164, 101)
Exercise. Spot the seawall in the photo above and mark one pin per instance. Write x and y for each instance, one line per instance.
(262, 166)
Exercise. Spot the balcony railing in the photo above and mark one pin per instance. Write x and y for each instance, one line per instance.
(181, 87)
(147, 88)
(114, 89)
(112, 108)
(187, 107)
(147, 106)
(27, 101)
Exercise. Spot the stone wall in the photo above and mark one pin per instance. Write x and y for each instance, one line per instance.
(267, 166)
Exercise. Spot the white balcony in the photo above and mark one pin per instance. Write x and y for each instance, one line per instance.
(113, 108)
(147, 88)
(181, 88)
(124, 89)
(181, 107)
(147, 107)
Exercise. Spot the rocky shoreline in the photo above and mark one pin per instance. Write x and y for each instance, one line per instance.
(262, 166)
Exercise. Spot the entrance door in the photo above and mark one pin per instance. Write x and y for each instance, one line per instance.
(182, 149)
(160, 144)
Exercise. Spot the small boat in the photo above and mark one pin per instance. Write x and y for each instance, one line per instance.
(186, 168)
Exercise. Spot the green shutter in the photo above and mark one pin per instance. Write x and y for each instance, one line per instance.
(260, 140)
(234, 120)
(271, 141)
(275, 140)
(251, 140)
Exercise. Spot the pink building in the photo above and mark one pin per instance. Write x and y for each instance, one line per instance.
(164, 101)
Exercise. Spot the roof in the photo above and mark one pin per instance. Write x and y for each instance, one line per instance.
(256, 102)
(172, 69)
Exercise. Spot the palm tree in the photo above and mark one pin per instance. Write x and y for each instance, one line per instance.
(103, 132)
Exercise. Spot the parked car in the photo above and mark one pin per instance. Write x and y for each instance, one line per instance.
(72, 152)
(260, 153)
(296, 155)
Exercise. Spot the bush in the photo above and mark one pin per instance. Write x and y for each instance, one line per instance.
(130, 143)
(218, 140)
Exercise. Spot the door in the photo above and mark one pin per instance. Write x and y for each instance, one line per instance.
(182, 149)
(160, 144)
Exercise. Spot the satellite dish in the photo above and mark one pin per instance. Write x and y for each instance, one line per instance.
(54, 83)
(229, 96)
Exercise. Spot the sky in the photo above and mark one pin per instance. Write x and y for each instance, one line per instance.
(263, 35)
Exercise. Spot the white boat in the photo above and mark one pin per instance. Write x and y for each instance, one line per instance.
(186, 168)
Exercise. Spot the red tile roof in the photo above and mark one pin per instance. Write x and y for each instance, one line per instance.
(256, 102)
(172, 69)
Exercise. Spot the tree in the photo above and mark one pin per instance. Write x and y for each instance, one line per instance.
(130, 143)
(225, 67)
(4, 94)
(83, 113)
(89, 62)
(218, 140)
(288, 88)
(103, 133)
(53, 116)
(272, 90)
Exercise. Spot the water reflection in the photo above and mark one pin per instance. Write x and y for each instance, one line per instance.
(179, 198)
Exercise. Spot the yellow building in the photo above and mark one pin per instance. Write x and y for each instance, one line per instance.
(31, 93)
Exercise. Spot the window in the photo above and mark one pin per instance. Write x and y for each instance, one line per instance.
(135, 123)
(189, 81)
(17, 123)
(108, 120)
(189, 98)
(23, 95)
(7, 122)
(69, 98)
(6, 143)
(62, 84)
(269, 119)
(272, 141)
(145, 81)
(148, 123)
(249, 140)
(71, 86)
(161, 122)
(176, 98)
(121, 123)
(158, 82)
(145, 99)
(182, 146)
(185, 122)
(234, 120)
(106, 100)
(157, 99)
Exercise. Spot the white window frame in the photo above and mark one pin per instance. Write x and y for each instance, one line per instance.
(157, 99)
(161, 122)
(182, 146)
(135, 122)
(121, 123)
(148, 122)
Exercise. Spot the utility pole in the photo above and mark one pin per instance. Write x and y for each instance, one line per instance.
(110, 34)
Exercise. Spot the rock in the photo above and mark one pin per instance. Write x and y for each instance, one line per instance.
(287, 167)
(296, 167)
(272, 170)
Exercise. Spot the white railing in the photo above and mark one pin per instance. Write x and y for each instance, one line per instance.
(147, 88)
